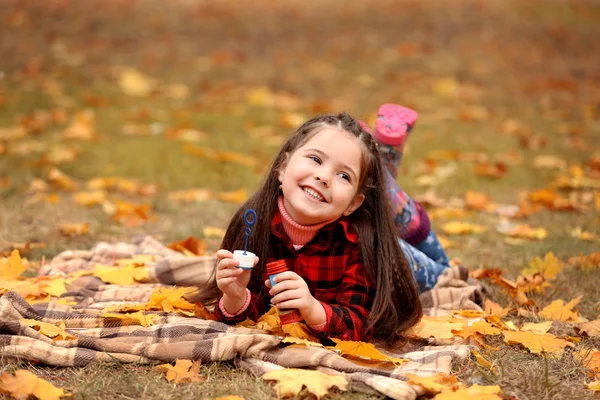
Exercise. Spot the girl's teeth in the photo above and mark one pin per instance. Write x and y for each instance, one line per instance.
(313, 194)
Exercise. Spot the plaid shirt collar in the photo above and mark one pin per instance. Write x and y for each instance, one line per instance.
(279, 232)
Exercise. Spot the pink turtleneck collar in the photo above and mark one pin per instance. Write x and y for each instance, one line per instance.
(300, 234)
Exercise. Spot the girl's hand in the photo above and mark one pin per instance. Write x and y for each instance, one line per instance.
(232, 281)
(290, 291)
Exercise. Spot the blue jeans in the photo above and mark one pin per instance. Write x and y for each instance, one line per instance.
(427, 260)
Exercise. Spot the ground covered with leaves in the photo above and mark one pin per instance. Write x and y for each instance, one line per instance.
(124, 118)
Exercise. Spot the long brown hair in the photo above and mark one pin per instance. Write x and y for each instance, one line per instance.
(396, 306)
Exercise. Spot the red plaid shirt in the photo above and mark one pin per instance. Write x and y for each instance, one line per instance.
(331, 266)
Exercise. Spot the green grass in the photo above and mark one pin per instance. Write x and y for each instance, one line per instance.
(506, 57)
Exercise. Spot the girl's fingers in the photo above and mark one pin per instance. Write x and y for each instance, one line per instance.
(229, 272)
(285, 296)
(287, 275)
(223, 253)
(227, 263)
(227, 281)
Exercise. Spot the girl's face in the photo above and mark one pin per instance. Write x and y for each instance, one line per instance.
(320, 179)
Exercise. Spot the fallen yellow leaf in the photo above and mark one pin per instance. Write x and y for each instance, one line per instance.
(549, 267)
(292, 380)
(74, 229)
(61, 181)
(295, 340)
(537, 342)
(483, 362)
(184, 371)
(127, 275)
(559, 311)
(137, 318)
(541, 327)
(55, 287)
(474, 392)
(238, 196)
(364, 350)
(134, 83)
(462, 228)
(434, 326)
(89, 199)
(11, 268)
(298, 330)
(47, 329)
(24, 384)
(521, 231)
(595, 386)
(591, 328)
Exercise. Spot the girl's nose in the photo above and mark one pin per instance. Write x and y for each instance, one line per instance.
(320, 178)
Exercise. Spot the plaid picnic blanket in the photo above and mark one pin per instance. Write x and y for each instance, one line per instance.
(175, 336)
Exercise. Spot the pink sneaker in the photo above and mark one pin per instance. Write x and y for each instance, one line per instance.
(393, 124)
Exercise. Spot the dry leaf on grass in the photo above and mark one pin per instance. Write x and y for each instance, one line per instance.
(537, 342)
(24, 384)
(184, 371)
(595, 386)
(190, 247)
(559, 311)
(47, 329)
(74, 229)
(434, 327)
(591, 329)
(365, 351)
(12, 267)
(549, 267)
(474, 392)
(542, 327)
(462, 228)
(292, 380)
(434, 384)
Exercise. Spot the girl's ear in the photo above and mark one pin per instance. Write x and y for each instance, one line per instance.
(355, 203)
(283, 166)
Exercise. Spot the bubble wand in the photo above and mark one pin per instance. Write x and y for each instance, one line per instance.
(246, 258)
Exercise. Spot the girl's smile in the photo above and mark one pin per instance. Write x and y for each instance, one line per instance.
(320, 179)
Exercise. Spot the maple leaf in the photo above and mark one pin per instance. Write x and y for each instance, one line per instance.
(89, 199)
(269, 321)
(474, 392)
(297, 341)
(494, 308)
(137, 318)
(82, 126)
(238, 196)
(476, 200)
(190, 195)
(74, 229)
(595, 386)
(11, 268)
(292, 380)
(591, 328)
(537, 342)
(541, 327)
(483, 362)
(298, 330)
(583, 235)
(434, 326)
(125, 275)
(134, 83)
(481, 327)
(191, 246)
(61, 181)
(429, 383)
(493, 171)
(366, 351)
(184, 371)
(24, 384)
(521, 231)
(549, 267)
(54, 287)
(462, 228)
(47, 329)
(559, 311)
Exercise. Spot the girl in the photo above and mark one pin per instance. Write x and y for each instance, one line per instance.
(418, 242)
(323, 209)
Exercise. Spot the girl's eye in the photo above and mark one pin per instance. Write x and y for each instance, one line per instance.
(345, 176)
(315, 159)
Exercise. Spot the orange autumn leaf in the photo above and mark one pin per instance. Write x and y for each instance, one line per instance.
(61, 181)
(494, 171)
(90, 198)
(191, 195)
(74, 229)
(589, 358)
(591, 328)
(47, 329)
(237, 196)
(127, 214)
(292, 339)
(290, 382)
(462, 228)
(213, 232)
(474, 392)
(494, 308)
(11, 268)
(583, 235)
(559, 311)
(364, 350)
(537, 342)
(137, 318)
(269, 321)
(298, 330)
(82, 126)
(549, 267)
(122, 275)
(476, 200)
(595, 386)
(25, 384)
(521, 231)
(542, 327)
(481, 327)
(547, 197)
(184, 371)
(428, 383)
(434, 327)
(483, 362)
(191, 246)
(225, 156)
